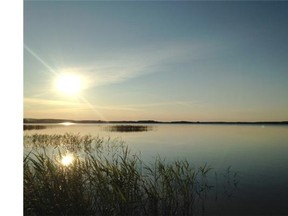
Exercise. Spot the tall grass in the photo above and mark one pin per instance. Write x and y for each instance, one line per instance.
(105, 178)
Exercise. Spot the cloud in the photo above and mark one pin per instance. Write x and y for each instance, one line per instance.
(134, 62)
(57, 105)
(60, 106)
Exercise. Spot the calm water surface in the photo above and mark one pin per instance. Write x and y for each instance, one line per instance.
(258, 153)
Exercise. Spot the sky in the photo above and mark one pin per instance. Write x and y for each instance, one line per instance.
(157, 60)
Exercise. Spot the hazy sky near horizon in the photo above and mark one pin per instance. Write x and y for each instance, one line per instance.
(197, 61)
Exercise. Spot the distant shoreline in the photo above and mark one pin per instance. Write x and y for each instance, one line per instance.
(57, 121)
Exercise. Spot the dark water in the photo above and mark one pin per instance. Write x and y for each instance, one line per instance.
(259, 154)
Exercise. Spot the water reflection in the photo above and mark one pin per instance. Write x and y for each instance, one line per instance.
(67, 123)
(258, 154)
(129, 128)
(67, 159)
(159, 186)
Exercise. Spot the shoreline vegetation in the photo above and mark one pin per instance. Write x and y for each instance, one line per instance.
(58, 121)
(128, 128)
(102, 177)
(112, 128)
(33, 127)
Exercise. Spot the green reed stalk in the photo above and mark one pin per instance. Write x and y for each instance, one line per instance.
(105, 178)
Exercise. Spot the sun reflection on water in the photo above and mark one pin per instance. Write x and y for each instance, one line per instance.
(67, 123)
(67, 160)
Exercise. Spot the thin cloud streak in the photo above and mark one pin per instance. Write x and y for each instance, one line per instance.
(54, 104)
(120, 67)
(169, 103)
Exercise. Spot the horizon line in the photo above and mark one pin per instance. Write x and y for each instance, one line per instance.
(58, 120)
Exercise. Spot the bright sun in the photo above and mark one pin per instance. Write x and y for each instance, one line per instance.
(69, 84)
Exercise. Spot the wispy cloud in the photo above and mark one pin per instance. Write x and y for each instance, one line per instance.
(128, 64)
(166, 103)
(64, 105)
(57, 105)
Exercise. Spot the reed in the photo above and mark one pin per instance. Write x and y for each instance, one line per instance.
(105, 178)
(129, 128)
(34, 127)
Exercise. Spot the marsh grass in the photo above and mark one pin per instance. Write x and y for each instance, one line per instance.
(129, 128)
(34, 127)
(105, 178)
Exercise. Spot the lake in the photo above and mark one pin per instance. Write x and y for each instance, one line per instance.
(258, 153)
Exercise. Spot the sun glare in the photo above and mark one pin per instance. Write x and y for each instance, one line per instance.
(69, 84)
(67, 160)
(67, 123)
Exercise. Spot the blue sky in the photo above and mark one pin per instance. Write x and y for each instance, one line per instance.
(197, 61)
